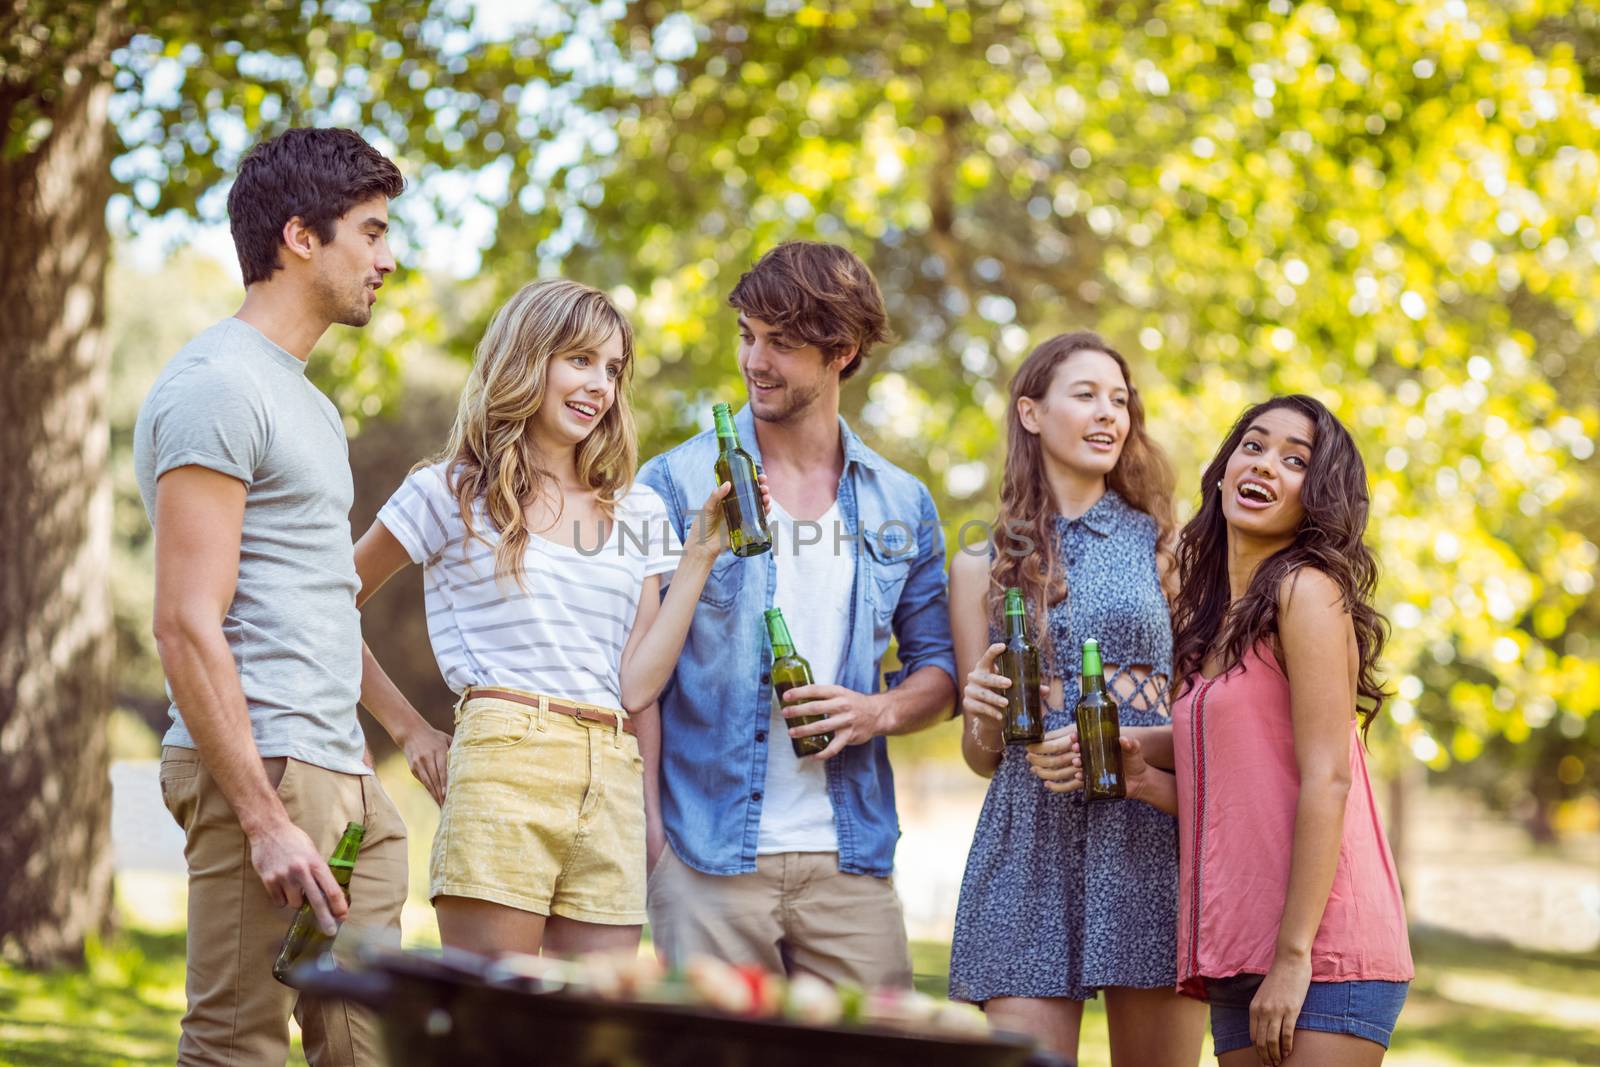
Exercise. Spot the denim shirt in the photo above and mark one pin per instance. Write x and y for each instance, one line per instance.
(716, 710)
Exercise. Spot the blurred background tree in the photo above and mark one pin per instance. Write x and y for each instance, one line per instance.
(1388, 205)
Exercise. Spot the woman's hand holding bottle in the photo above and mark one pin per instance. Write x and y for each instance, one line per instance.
(1057, 762)
(705, 537)
(984, 700)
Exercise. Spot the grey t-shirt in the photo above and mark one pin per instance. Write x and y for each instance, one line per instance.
(234, 402)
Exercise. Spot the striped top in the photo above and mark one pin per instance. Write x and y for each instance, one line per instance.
(563, 630)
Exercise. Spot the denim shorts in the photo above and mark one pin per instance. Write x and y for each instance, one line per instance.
(1361, 1009)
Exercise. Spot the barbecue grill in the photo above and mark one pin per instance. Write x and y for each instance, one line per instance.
(454, 1008)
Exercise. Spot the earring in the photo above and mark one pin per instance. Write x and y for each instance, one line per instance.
(1219, 485)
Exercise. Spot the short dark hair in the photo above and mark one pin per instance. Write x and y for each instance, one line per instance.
(317, 175)
(821, 294)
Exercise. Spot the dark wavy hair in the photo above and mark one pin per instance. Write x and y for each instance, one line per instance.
(315, 174)
(1334, 495)
(1142, 477)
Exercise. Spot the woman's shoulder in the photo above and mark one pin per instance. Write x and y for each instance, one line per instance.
(970, 580)
(431, 477)
(972, 562)
(429, 481)
(1314, 618)
(423, 512)
(1308, 592)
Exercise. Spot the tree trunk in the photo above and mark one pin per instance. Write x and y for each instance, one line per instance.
(55, 524)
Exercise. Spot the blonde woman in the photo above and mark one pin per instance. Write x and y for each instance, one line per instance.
(542, 564)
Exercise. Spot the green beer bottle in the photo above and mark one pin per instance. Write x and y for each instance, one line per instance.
(305, 938)
(1099, 732)
(741, 508)
(1023, 723)
(789, 671)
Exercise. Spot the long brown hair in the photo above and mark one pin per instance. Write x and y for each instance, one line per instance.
(1334, 495)
(1142, 477)
(491, 458)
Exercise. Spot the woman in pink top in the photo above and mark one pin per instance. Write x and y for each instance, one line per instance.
(1290, 919)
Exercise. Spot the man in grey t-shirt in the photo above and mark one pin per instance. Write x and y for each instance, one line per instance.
(245, 474)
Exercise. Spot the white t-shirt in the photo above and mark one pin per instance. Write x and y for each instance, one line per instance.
(562, 631)
(815, 582)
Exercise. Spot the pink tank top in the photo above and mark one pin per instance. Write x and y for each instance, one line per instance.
(1238, 785)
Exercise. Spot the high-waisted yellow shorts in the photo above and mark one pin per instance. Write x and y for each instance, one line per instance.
(542, 812)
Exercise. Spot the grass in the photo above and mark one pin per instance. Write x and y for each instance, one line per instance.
(121, 1007)
(1474, 1003)
(1489, 1003)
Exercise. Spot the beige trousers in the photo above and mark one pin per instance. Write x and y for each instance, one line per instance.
(796, 912)
(238, 1013)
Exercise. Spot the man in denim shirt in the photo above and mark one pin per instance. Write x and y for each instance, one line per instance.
(774, 859)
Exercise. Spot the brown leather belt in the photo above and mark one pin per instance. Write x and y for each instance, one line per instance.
(604, 718)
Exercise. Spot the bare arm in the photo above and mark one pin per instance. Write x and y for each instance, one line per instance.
(199, 519)
(659, 630)
(1156, 743)
(647, 729)
(1154, 786)
(1317, 636)
(662, 624)
(651, 654)
(379, 557)
(982, 700)
(1167, 569)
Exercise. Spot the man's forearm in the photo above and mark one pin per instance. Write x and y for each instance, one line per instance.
(921, 700)
(205, 686)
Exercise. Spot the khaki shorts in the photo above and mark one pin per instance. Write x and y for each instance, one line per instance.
(544, 813)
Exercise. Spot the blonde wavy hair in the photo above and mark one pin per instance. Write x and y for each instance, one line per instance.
(491, 458)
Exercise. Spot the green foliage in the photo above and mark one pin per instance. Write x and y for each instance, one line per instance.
(198, 86)
(1389, 205)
